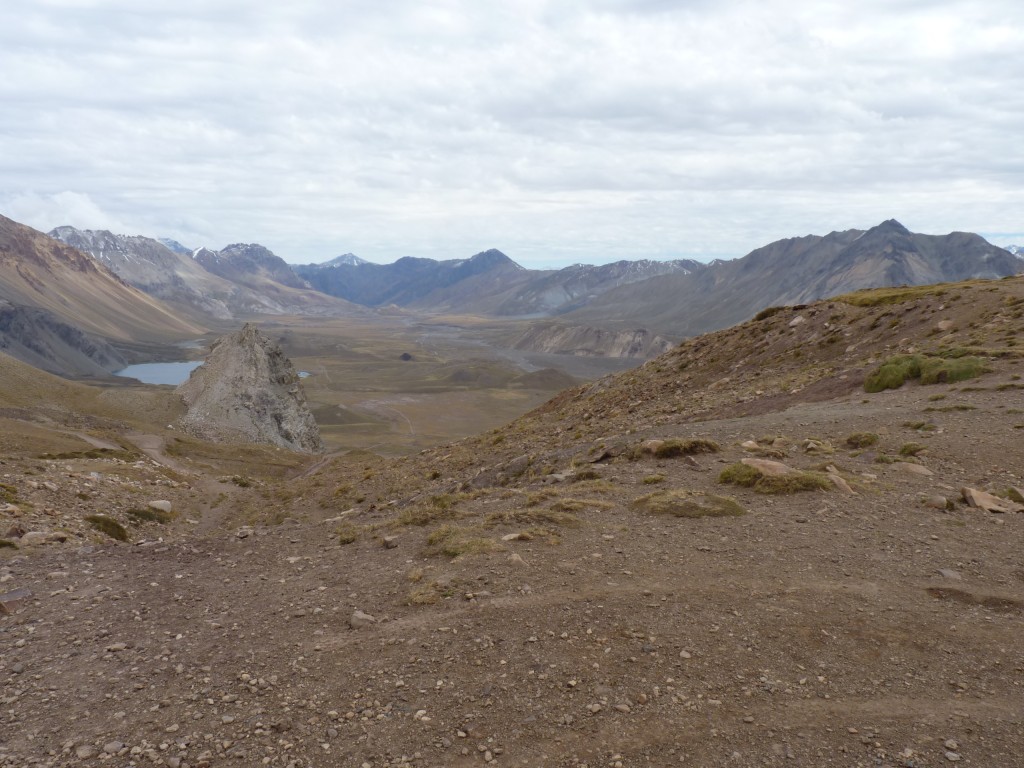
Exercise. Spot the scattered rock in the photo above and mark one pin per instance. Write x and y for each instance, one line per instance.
(936, 502)
(817, 447)
(359, 620)
(988, 502)
(13, 600)
(768, 467)
(949, 573)
(161, 505)
(389, 542)
(914, 469)
(840, 483)
(944, 325)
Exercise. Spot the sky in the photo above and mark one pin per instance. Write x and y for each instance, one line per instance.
(558, 131)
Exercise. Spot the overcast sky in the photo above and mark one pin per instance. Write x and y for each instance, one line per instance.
(558, 131)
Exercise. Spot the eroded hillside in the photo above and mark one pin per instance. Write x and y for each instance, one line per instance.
(734, 555)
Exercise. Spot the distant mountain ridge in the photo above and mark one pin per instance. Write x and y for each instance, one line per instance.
(239, 280)
(402, 282)
(488, 283)
(795, 271)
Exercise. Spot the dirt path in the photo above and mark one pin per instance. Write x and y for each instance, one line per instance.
(210, 491)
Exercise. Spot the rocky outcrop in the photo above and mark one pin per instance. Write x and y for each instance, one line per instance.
(248, 391)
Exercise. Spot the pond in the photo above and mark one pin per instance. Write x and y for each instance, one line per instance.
(160, 373)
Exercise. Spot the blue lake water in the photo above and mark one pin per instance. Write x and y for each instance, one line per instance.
(160, 373)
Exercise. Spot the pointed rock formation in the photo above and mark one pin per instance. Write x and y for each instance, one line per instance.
(248, 391)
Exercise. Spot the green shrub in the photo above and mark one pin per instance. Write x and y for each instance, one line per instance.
(791, 482)
(895, 371)
(108, 525)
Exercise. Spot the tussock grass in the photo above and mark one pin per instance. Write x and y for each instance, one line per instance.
(108, 525)
(429, 593)
(147, 515)
(94, 453)
(539, 497)
(575, 505)
(861, 439)
(346, 532)
(653, 479)
(586, 474)
(923, 426)
(911, 449)
(680, 503)
(7, 544)
(767, 312)
(441, 507)
(674, 447)
(594, 486)
(8, 493)
(453, 541)
(533, 517)
(793, 482)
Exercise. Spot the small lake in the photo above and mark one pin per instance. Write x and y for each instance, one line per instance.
(160, 373)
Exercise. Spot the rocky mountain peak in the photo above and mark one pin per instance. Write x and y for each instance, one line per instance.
(891, 226)
(249, 391)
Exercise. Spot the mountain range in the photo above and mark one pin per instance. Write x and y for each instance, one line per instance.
(75, 301)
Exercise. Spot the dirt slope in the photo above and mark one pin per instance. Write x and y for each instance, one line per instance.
(532, 606)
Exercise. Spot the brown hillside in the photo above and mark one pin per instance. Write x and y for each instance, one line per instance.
(38, 271)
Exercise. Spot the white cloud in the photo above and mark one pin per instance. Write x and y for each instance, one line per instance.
(556, 131)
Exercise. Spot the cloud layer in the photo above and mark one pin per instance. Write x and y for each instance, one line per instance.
(556, 130)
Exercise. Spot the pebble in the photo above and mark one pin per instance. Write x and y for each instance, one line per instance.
(85, 751)
(953, 757)
(113, 747)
